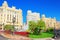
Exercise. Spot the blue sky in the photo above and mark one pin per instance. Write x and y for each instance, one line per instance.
(51, 8)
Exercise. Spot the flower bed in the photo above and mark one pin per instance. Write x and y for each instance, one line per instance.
(22, 33)
(7, 31)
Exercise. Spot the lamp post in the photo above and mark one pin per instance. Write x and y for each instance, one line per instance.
(13, 20)
(3, 27)
(54, 31)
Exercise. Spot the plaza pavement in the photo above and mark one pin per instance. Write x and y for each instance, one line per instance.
(15, 37)
(18, 37)
(43, 39)
(3, 38)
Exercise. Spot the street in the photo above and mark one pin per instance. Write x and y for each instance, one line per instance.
(3, 38)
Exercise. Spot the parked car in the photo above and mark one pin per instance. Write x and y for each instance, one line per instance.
(56, 34)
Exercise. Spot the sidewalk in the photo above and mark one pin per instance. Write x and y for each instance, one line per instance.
(15, 37)
(18, 37)
(43, 39)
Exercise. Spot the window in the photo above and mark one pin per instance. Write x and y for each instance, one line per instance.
(17, 18)
(10, 17)
(4, 15)
(15, 12)
(1, 16)
(9, 11)
(7, 17)
(1, 9)
(4, 20)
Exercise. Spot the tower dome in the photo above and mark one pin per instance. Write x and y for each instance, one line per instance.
(5, 4)
(29, 11)
(43, 15)
(54, 18)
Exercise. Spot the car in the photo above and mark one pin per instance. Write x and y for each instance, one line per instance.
(56, 34)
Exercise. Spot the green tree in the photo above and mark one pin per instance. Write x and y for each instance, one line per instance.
(36, 27)
(41, 24)
(36, 31)
(39, 28)
(50, 30)
(32, 25)
(9, 27)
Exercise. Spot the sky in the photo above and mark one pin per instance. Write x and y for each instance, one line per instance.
(51, 8)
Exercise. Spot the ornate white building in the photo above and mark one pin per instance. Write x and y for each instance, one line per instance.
(57, 25)
(32, 16)
(7, 14)
(49, 22)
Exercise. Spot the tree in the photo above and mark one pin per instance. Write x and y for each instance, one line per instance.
(36, 27)
(41, 24)
(40, 27)
(9, 27)
(36, 31)
(50, 30)
(32, 25)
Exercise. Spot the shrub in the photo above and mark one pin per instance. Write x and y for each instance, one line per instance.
(36, 31)
(9, 28)
(50, 30)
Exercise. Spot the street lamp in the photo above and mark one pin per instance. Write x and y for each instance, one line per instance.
(3, 27)
(54, 31)
(13, 21)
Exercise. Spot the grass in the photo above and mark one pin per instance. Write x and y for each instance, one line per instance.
(42, 35)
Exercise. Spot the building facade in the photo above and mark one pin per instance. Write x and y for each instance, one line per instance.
(57, 25)
(49, 22)
(32, 16)
(8, 14)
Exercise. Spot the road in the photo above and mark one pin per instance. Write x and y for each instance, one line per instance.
(3, 38)
(15, 37)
